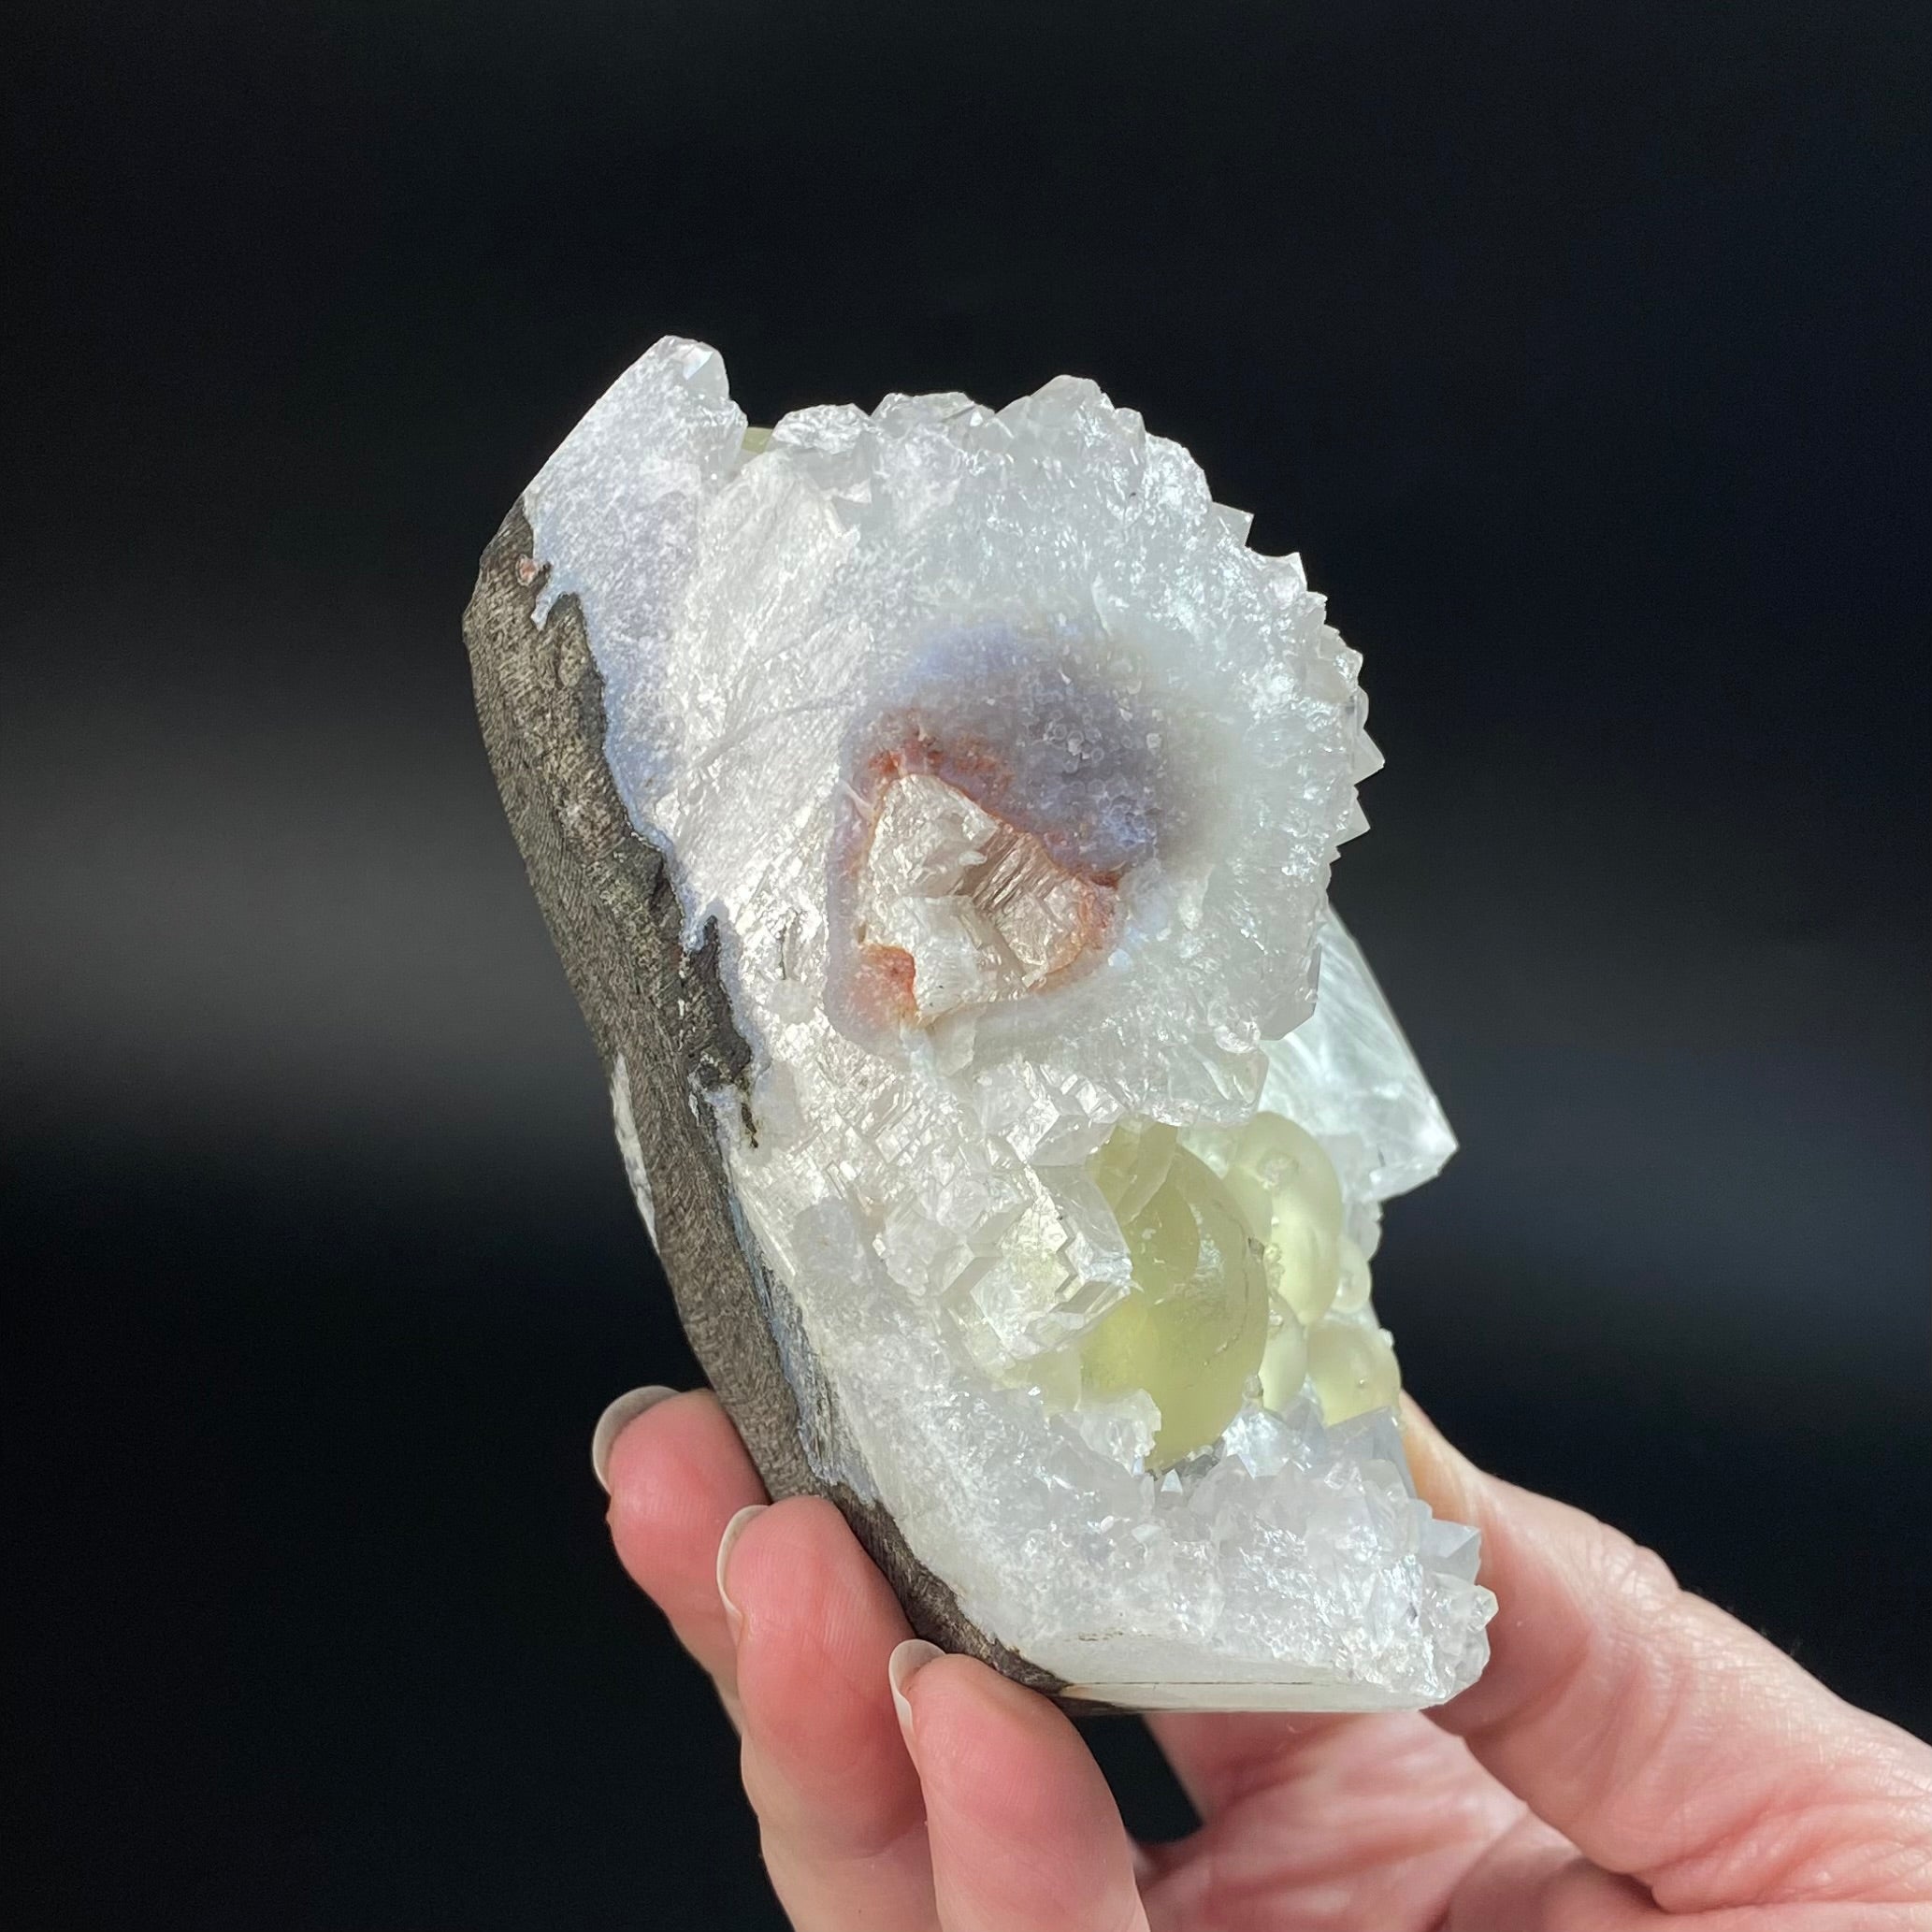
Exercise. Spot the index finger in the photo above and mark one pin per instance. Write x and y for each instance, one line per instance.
(1025, 1834)
(678, 1473)
(1660, 1736)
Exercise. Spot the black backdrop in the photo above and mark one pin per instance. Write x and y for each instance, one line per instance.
(1576, 349)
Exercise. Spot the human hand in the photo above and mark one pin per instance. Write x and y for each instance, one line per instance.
(1632, 1755)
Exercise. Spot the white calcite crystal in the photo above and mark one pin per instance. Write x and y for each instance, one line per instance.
(1009, 779)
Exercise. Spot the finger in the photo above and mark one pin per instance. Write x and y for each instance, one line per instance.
(1025, 1834)
(1532, 1881)
(1661, 1736)
(1298, 1810)
(1223, 1759)
(826, 1770)
(678, 1473)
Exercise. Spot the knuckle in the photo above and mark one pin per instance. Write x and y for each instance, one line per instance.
(1625, 1569)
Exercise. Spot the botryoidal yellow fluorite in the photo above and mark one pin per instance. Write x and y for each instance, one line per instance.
(1241, 1268)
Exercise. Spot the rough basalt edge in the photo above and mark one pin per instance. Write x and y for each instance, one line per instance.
(663, 1014)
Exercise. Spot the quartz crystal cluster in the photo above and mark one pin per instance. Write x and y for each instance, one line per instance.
(1009, 779)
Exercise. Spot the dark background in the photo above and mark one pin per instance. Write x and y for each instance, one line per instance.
(1579, 351)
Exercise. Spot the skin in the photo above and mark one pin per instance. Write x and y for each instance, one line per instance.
(1631, 1756)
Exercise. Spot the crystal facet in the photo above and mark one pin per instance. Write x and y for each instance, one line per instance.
(1004, 781)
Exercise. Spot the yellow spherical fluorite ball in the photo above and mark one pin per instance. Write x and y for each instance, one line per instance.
(1352, 1286)
(1284, 1360)
(1192, 1329)
(1133, 1163)
(1235, 1272)
(1353, 1368)
(1284, 1157)
(1287, 1186)
(1251, 1201)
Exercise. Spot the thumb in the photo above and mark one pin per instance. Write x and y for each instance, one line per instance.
(1663, 1738)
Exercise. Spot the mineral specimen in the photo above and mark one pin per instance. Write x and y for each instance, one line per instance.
(934, 810)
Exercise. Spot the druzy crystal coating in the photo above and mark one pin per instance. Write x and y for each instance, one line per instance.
(1009, 779)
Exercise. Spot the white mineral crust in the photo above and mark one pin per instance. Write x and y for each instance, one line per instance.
(1003, 695)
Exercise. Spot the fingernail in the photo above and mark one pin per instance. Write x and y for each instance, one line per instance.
(913, 1655)
(612, 1422)
(734, 1622)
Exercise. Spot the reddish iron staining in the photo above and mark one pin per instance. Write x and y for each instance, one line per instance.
(979, 771)
(882, 986)
(969, 765)
(881, 989)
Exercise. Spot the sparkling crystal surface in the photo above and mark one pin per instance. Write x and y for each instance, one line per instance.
(1012, 779)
